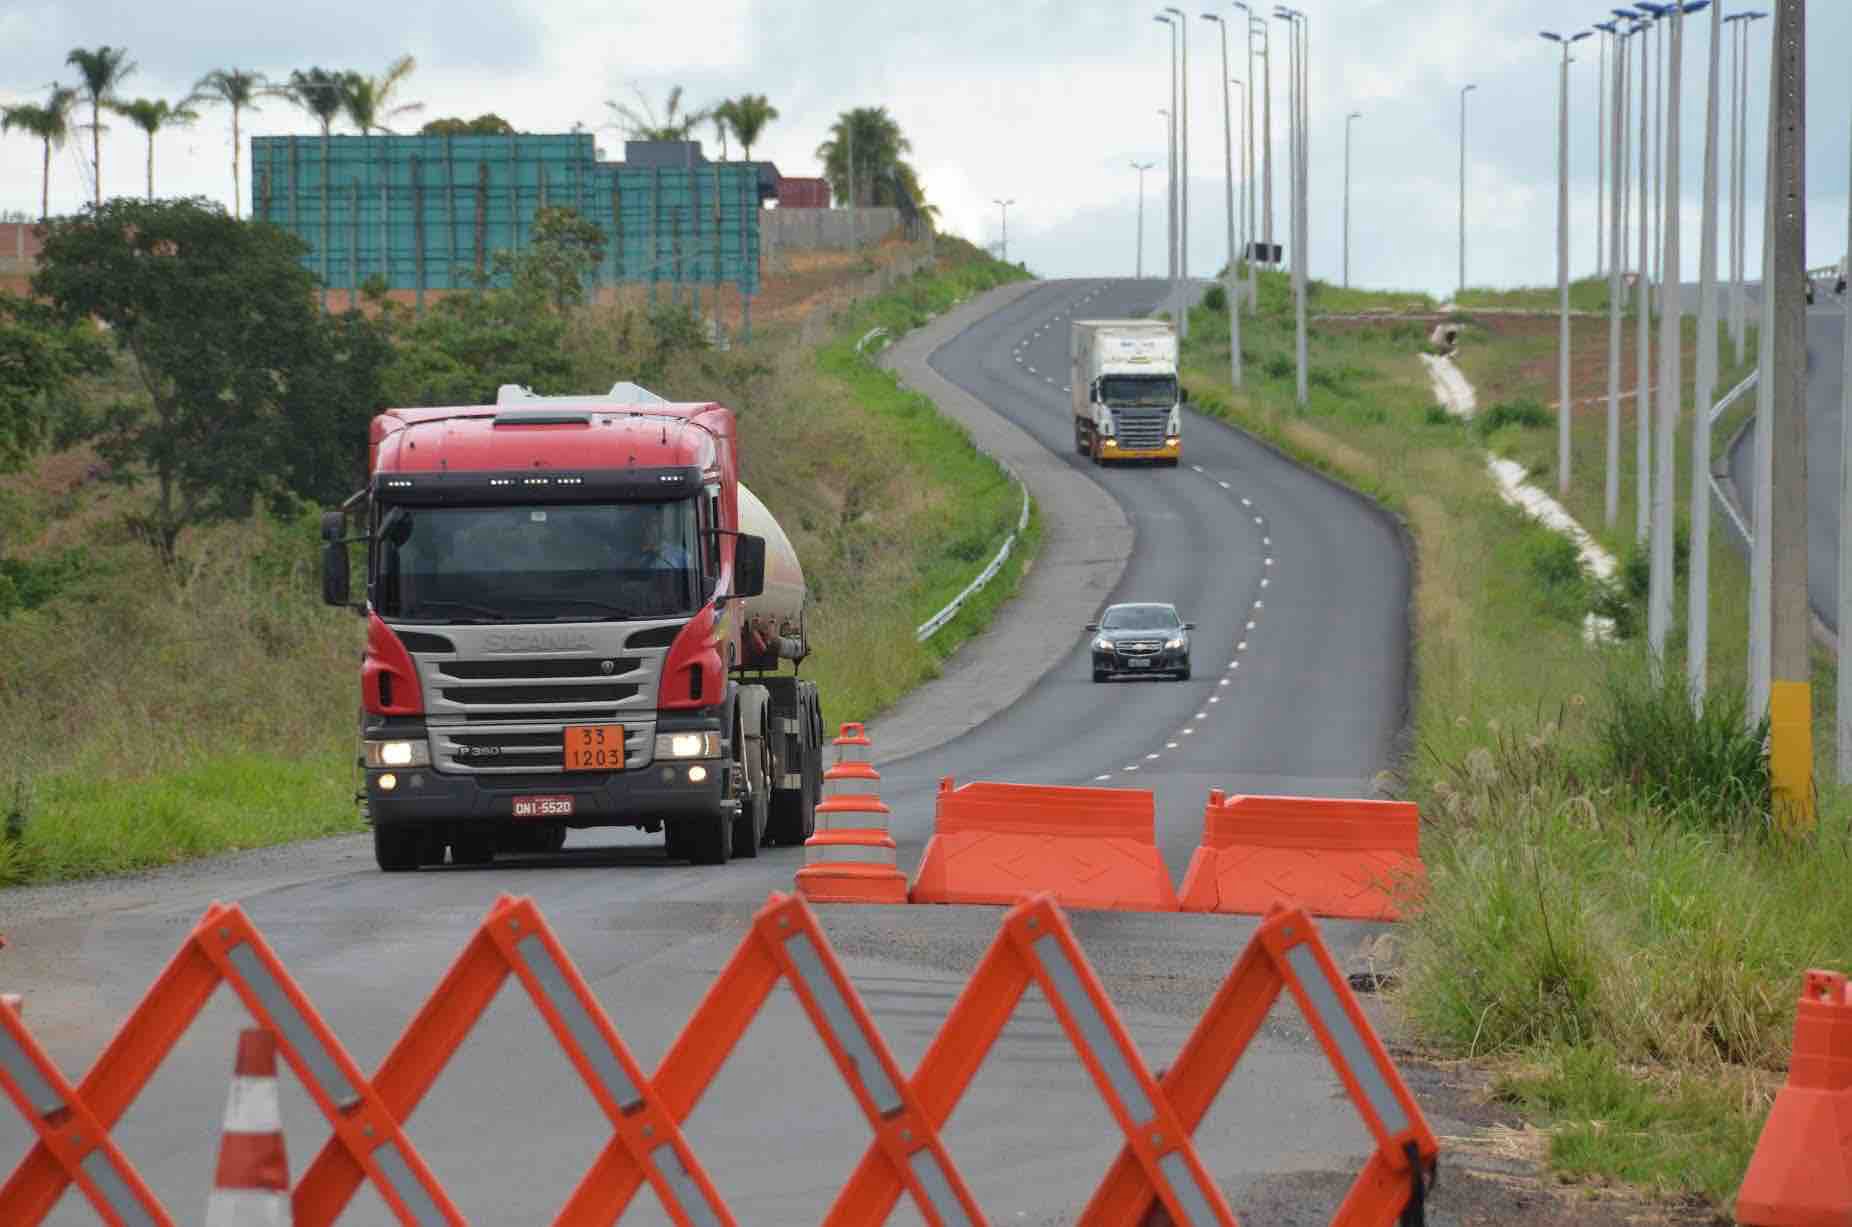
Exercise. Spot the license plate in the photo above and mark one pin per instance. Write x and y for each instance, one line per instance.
(543, 807)
(595, 747)
(1137, 664)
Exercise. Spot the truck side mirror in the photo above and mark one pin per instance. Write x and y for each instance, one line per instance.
(335, 580)
(748, 565)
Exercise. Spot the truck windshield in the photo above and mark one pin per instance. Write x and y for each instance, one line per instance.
(527, 563)
(1139, 391)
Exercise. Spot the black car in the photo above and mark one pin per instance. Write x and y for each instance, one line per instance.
(1146, 637)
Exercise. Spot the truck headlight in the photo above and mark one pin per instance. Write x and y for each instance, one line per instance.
(398, 753)
(688, 745)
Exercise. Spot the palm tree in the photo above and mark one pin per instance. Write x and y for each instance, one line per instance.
(722, 118)
(102, 70)
(749, 113)
(675, 125)
(877, 143)
(322, 94)
(151, 116)
(50, 123)
(239, 89)
(368, 101)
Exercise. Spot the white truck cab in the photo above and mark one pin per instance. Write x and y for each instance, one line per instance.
(1128, 404)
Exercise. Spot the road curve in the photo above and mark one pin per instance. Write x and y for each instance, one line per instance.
(1300, 591)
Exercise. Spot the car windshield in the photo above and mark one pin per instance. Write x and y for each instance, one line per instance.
(1139, 391)
(1140, 618)
(528, 563)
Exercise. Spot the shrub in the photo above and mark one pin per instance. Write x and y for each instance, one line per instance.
(1701, 764)
(1216, 300)
(1525, 413)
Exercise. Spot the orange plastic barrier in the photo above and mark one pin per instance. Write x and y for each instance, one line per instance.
(1158, 1176)
(1353, 859)
(1801, 1175)
(852, 858)
(1001, 843)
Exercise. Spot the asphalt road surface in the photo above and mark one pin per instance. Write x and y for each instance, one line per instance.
(1826, 323)
(1300, 594)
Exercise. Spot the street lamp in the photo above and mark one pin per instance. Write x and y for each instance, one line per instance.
(1347, 120)
(1464, 90)
(1301, 47)
(1617, 261)
(1601, 147)
(1141, 168)
(1170, 232)
(1250, 217)
(1228, 144)
(1739, 144)
(1697, 642)
(1004, 206)
(1183, 176)
(1171, 113)
(1563, 408)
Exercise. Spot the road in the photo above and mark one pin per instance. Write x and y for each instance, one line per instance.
(1826, 324)
(1300, 591)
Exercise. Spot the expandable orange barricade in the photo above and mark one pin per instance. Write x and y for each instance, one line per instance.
(1157, 1177)
(1354, 859)
(1001, 843)
(1801, 1175)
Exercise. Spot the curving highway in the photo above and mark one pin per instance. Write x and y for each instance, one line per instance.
(1300, 593)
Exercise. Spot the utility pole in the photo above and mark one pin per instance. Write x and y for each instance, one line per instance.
(1697, 619)
(1739, 308)
(1601, 148)
(1643, 341)
(1170, 230)
(1564, 409)
(1183, 179)
(1176, 211)
(1004, 206)
(1464, 90)
(1141, 168)
(1843, 707)
(1347, 121)
(1790, 704)
(1228, 146)
(1671, 364)
(1266, 68)
(1253, 182)
(1297, 100)
(1616, 245)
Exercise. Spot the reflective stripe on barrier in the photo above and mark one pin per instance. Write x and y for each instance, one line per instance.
(1002, 843)
(1355, 859)
(851, 858)
(1158, 1175)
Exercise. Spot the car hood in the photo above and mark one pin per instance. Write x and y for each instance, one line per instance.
(1159, 633)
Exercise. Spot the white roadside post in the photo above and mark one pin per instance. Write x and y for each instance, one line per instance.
(1697, 621)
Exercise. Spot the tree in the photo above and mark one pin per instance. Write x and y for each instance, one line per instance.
(151, 115)
(50, 123)
(561, 249)
(102, 70)
(749, 113)
(217, 320)
(483, 125)
(877, 143)
(642, 124)
(721, 116)
(39, 355)
(322, 94)
(238, 89)
(370, 101)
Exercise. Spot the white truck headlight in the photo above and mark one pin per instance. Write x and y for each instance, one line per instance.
(399, 753)
(688, 745)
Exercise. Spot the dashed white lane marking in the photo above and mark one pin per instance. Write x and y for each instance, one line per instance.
(1215, 698)
(1188, 732)
(1133, 767)
(1242, 646)
(1222, 484)
(1266, 540)
(1170, 745)
(1267, 562)
(1247, 502)
(1107, 776)
(1223, 682)
(1202, 715)
(1265, 582)
(1149, 757)
(1250, 626)
(1033, 371)
(1197, 467)
(1259, 605)
(1065, 388)
(1259, 520)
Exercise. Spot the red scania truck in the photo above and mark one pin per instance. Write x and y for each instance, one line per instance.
(576, 617)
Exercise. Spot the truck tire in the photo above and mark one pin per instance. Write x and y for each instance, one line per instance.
(398, 848)
(793, 816)
(709, 841)
(1081, 445)
(472, 844)
(754, 738)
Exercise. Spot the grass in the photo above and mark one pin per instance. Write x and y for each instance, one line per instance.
(1609, 919)
(1585, 294)
(157, 714)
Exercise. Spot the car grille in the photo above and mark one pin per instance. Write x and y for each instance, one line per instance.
(1140, 647)
(1140, 428)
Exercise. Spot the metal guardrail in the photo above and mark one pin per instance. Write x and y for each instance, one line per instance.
(934, 624)
(1717, 492)
(1735, 394)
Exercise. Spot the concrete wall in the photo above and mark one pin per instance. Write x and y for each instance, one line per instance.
(823, 229)
(19, 249)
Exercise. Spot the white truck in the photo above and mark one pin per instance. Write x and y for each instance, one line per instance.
(1127, 402)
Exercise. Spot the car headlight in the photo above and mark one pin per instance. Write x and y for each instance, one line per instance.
(406, 753)
(1174, 644)
(1102, 645)
(688, 745)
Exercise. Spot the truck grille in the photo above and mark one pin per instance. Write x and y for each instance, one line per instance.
(1140, 428)
(493, 709)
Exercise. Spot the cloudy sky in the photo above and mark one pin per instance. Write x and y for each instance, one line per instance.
(1045, 103)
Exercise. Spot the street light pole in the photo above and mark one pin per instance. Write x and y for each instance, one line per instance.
(1464, 90)
(1004, 206)
(1253, 185)
(1228, 143)
(1176, 213)
(1564, 409)
(1618, 125)
(1661, 583)
(1183, 178)
(1141, 168)
(1697, 619)
(1170, 224)
(1643, 345)
(1601, 148)
(1347, 121)
(1300, 49)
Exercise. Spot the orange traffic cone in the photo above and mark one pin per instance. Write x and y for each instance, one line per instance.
(1801, 1175)
(852, 858)
(251, 1186)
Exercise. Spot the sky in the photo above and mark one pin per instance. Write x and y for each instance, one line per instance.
(1044, 104)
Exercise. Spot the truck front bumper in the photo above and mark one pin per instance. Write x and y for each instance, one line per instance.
(658, 792)
(1110, 450)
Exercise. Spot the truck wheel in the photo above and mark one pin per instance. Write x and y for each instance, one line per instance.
(675, 840)
(473, 844)
(398, 848)
(794, 812)
(709, 841)
(1080, 440)
(431, 847)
